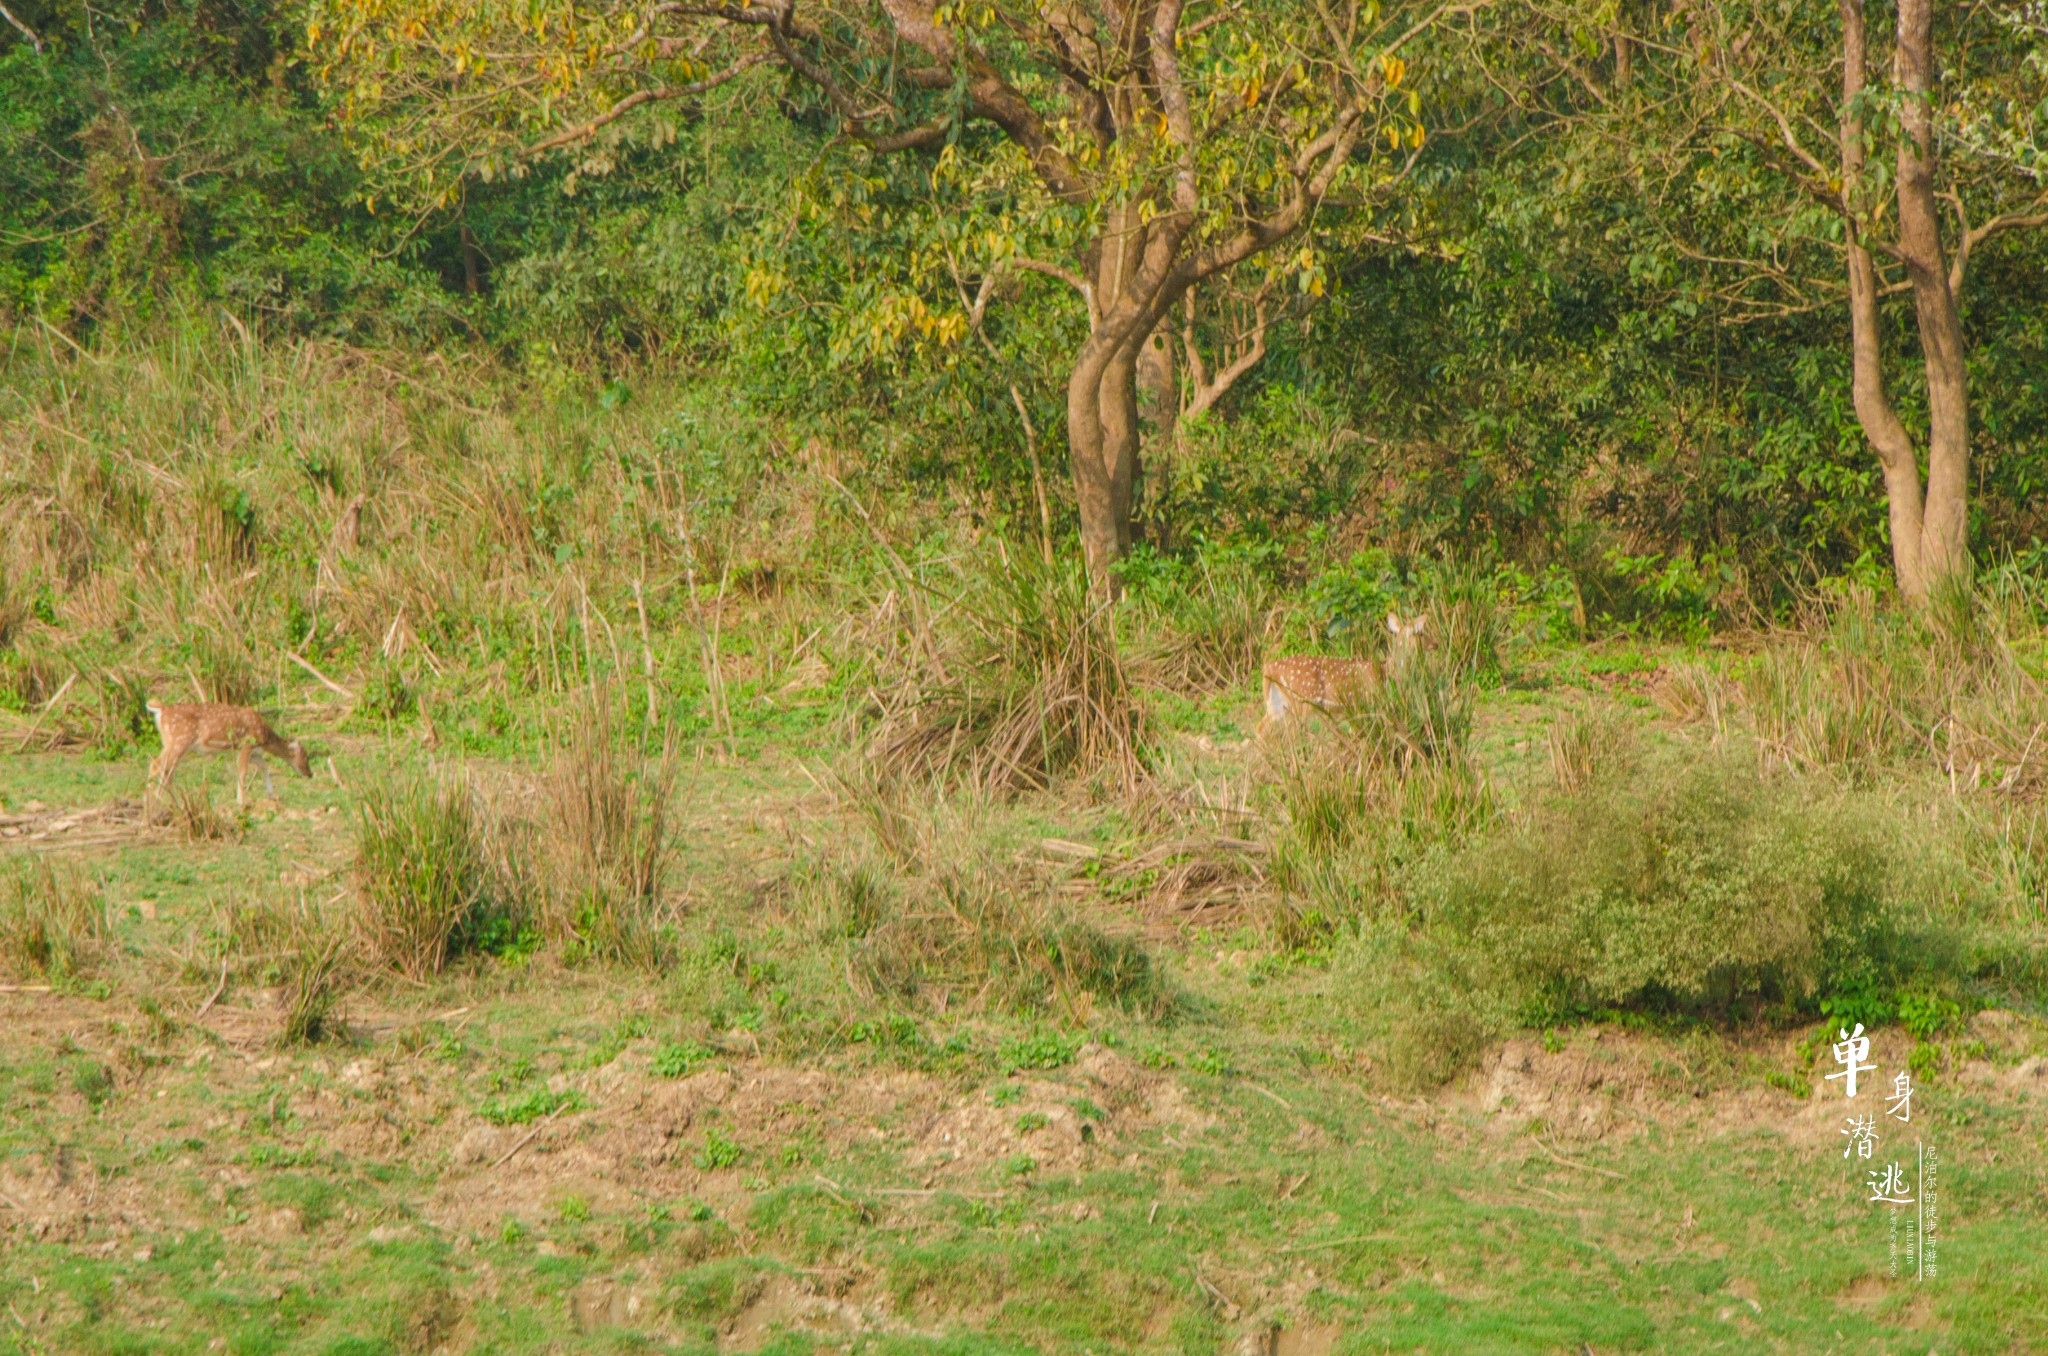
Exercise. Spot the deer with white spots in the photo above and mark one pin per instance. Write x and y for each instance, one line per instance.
(211, 727)
(1312, 682)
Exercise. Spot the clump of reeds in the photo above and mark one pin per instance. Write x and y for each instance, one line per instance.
(610, 838)
(1025, 688)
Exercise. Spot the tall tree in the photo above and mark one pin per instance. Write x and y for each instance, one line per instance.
(1141, 146)
(1756, 135)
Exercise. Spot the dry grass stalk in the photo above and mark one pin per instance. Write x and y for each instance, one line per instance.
(611, 839)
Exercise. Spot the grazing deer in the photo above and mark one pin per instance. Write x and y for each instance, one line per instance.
(211, 727)
(1314, 682)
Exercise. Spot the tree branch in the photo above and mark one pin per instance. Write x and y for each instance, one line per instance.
(993, 98)
(1173, 103)
(1204, 392)
(584, 131)
(2027, 218)
(26, 31)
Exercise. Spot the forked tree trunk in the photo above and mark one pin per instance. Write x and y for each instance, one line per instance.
(1945, 527)
(1930, 529)
(1103, 430)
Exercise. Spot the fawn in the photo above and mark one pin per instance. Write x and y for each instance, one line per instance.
(1313, 682)
(212, 727)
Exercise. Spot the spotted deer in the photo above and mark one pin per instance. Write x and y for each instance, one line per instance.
(1305, 682)
(211, 727)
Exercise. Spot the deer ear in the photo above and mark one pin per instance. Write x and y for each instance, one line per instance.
(1394, 623)
(1421, 622)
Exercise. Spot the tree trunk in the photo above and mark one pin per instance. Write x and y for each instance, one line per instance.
(1159, 406)
(1088, 443)
(1102, 400)
(1945, 527)
(1881, 424)
(1930, 530)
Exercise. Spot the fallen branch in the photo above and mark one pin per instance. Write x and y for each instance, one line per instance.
(218, 990)
(325, 681)
(506, 1157)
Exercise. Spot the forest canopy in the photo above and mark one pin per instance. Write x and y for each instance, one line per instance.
(1648, 293)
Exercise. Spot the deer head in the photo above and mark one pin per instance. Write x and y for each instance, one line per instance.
(1406, 638)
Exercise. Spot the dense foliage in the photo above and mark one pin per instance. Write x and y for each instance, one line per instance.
(1539, 344)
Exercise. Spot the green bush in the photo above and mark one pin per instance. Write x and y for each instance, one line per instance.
(1686, 890)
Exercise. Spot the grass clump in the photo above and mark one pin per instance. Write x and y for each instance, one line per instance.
(197, 819)
(419, 872)
(304, 952)
(611, 841)
(1026, 688)
(1587, 743)
(53, 923)
(312, 985)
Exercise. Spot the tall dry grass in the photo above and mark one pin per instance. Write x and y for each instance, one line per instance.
(609, 838)
(1860, 687)
(199, 511)
(53, 920)
(1018, 685)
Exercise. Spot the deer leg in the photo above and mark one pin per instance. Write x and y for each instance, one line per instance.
(165, 765)
(241, 772)
(1276, 710)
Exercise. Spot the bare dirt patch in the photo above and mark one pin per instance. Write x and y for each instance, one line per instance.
(1615, 1084)
(644, 1137)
